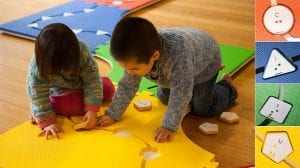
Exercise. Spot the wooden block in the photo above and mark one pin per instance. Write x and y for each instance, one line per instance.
(143, 105)
(79, 126)
(229, 117)
(208, 128)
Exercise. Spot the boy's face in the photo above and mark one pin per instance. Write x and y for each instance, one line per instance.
(133, 67)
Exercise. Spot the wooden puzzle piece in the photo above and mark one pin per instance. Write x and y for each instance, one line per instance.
(143, 105)
(229, 117)
(208, 128)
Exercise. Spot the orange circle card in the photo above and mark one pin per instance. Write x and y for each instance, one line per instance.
(277, 20)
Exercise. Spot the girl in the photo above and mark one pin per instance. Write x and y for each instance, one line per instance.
(63, 79)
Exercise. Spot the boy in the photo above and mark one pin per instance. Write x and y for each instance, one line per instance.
(184, 62)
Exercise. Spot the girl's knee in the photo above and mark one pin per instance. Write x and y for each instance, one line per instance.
(108, 89)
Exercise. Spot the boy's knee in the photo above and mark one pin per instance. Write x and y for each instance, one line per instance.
(163, 98)
(163, 95)
(202, 110)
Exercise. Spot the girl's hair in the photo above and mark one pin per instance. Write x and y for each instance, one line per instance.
(57, 50)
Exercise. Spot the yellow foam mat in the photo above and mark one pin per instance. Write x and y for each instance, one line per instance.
(124, 144)
(263, 161)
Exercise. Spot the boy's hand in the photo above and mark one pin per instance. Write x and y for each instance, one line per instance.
(53, 129)
(162, 135)
(90, 119)
(105, 120)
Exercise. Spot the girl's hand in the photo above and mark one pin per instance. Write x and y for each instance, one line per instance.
(105, 120)
(162, 135)
(53, 129)
(90, 119)
(31, 119)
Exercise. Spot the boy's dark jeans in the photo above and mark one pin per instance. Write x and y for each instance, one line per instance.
(209, 98)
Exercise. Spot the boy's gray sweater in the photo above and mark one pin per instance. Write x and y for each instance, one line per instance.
(188, 57)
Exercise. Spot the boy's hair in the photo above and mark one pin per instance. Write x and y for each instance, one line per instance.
(57, 50)
(134, 37)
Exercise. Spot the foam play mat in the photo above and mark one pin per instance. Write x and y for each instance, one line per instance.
(128, 143)
(233, 58)
(277, 147)
(277, 20)
(284, 110)
(91, 21)
(277, 62)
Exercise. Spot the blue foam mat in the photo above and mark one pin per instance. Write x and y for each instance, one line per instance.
(104, 18)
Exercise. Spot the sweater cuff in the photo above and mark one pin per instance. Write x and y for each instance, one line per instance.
(46, 122)
(170, 127)
(92, 107)
(112, 115)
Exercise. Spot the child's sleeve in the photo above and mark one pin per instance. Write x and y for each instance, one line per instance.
(127, 88)
(92, 83)
(38, 92)
(181, 90)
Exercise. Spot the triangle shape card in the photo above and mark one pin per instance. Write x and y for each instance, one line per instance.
(278, 65)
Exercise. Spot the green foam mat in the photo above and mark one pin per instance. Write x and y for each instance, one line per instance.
(291, 95)
(233, 58)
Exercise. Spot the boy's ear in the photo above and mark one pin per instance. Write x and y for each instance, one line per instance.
(156, 55)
